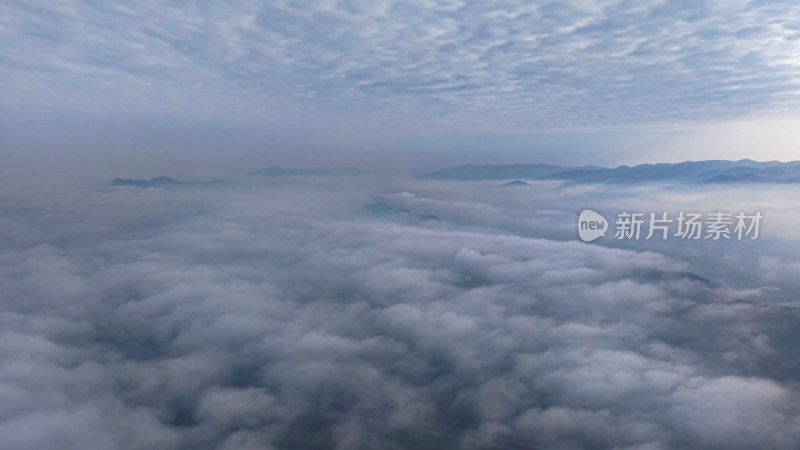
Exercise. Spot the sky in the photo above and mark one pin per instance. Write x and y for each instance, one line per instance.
(396, 86)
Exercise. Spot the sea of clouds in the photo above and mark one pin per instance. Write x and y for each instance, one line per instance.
(391, 314)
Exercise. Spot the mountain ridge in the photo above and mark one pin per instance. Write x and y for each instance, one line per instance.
(476, 172)
(701, 172)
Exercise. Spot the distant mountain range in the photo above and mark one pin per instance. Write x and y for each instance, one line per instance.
(708, 172)
(702, 172)
(473, 172)
(284, 172)
(160, 182)
(711, 172)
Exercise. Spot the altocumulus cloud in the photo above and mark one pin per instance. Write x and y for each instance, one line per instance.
(360, 315)
(488, 63)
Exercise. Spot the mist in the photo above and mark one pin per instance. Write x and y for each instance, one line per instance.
(388, 313)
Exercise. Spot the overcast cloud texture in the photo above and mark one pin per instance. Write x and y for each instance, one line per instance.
(312, 82)
(630, 61)
(388, 314)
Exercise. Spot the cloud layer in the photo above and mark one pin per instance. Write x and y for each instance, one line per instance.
(379, 315)
(462, 63)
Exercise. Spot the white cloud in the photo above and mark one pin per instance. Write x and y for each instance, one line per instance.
(296, 315)
(487, 64)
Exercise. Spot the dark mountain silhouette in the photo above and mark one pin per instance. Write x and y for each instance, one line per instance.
(716, 171)
(710, 172)
(515, 183)
(473, 172)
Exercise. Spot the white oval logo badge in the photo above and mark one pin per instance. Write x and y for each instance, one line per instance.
(591, 225)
